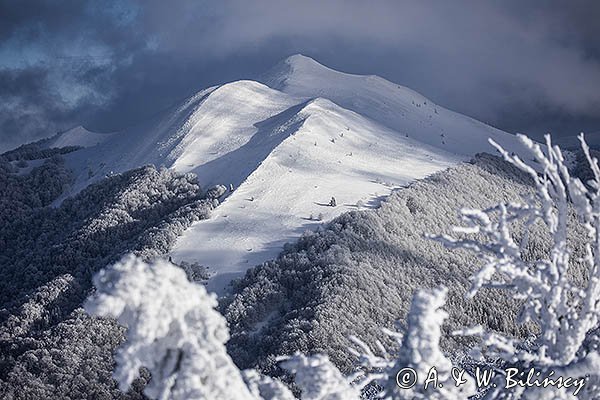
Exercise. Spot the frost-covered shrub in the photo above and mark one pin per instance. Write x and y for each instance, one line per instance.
(265, 387)
(555, 294)
(172, 329)
(318, 378)
(419, 351)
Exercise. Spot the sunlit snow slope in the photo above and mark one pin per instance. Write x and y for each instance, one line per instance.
(189, 137)
(287, 146)
(323, 151)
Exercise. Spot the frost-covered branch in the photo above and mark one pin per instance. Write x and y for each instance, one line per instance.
(265, 387)
(318, 378)
(565, 310)
(172, 329)
(419, 351)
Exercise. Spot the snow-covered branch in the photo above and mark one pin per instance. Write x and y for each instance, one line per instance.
(420, 352)
(175, 332)
(318, 378)
(565, 310)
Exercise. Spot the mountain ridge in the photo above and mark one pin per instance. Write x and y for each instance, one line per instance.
(301, 135)
(391, 104)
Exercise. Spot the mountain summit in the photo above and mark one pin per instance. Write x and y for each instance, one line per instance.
(285, 147)
(395, 106)
(296, 67)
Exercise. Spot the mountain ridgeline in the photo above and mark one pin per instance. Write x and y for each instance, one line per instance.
(329, 133)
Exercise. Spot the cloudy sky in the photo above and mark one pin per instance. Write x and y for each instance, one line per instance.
(106, 65)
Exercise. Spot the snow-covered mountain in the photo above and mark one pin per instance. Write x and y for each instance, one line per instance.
(78, 136)
(397, 107)
(287, 146)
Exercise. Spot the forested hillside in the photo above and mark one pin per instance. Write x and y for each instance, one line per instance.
(358, 274)
(49, 347)
(350, 277)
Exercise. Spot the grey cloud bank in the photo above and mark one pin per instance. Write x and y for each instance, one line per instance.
(528, 68)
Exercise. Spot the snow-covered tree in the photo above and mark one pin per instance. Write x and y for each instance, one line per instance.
(565, 310)
(173, 330)
(265, 387)
(319, 379)
(420, 370)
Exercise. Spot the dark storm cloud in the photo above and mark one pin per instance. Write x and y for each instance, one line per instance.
(57, 60)
(108, 64)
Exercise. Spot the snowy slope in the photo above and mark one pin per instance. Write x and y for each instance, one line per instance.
(187, 138)
(286, 145)
(324, 151)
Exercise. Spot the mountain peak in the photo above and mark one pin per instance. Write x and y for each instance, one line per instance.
(297, 66)
(302, 60)
(78, 136)
(303, 76)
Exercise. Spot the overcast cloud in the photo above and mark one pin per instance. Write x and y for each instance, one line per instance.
(106, 65)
